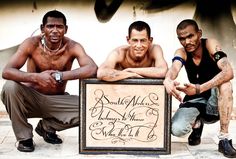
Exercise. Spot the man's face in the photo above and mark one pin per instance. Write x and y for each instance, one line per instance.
(54, 29)
(189, 38)
(139, 44)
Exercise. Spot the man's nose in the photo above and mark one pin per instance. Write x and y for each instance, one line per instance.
(187, 41)
(55, 28)
(138, 43)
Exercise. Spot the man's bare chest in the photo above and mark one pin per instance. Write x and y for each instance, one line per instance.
(44, 61)
(133, 64)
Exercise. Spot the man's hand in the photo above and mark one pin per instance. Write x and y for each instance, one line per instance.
(129, 70)
(170, 86)
(187, 88)
(135, 75)
(45, 79)
(132, 73)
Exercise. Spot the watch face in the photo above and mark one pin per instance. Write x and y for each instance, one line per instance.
(57, 76)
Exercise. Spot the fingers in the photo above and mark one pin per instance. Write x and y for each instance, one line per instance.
(187, 84)
(53, 81)
(176, 83)
(176, 94)
(171, 87)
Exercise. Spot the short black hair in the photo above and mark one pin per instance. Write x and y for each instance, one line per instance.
(54, 14)
(183, 24)
(140, 25)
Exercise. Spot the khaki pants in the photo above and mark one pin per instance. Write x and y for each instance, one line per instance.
(58, 112)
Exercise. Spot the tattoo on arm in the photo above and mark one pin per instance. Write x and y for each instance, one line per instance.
(112, 74)
(218, 48)
(217, 80)
(171, 73)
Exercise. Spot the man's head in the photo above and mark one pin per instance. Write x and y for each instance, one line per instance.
(53, 14)
(139, 39)
(139, 26)
(54, 26)
(189, 34)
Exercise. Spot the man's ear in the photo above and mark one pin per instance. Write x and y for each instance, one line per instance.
(151, 39)
(127, 38)
(200, 33)
(66, 28)
(42, 28)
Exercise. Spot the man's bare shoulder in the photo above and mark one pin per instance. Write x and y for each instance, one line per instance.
(72, 44)
(213, 45)
(155, 48)
(181, 52)
(33, 40)
(121, 50)
(30, 44)
(155, 51)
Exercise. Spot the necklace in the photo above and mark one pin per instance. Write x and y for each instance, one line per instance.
(46, 47)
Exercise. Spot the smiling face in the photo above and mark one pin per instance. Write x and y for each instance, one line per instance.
(139, 44)
(189, 38)
(54, 29)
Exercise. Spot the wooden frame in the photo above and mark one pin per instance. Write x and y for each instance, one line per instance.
(130, 116)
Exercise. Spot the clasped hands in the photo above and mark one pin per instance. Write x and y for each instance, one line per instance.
(47, 79)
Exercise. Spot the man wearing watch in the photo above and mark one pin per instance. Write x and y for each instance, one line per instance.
(39, 92)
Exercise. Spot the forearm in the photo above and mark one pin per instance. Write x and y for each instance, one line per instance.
(18, 75)
(80, 73)
(219, 79)
(151, 72)
(225, 75)
(113, 75)
(171, 74)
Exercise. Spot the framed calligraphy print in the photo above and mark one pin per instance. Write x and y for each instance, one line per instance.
(130, 116)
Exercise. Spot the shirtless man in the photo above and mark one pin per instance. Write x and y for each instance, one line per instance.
(40, 92)
(139, 59)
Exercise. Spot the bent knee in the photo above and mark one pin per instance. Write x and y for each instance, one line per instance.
(10, 87)
(226, 88)
(179, 130)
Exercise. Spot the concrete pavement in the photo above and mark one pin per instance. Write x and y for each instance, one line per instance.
(69, 149)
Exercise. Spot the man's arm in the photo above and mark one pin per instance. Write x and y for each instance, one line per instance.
(12, 69)
(169, 82)
(88, 67)
(107, 70)
(160, 68)
(226, 73)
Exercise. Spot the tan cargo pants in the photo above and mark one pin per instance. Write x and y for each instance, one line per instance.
(58, 112)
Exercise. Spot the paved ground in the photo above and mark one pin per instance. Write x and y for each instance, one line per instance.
(69, 149)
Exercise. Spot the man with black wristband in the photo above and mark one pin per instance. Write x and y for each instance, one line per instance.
(208, 96)
(39, 92)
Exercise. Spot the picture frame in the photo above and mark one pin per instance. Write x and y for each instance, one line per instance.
(130, 116)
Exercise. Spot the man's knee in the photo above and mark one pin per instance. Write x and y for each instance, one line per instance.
(10, 87)
(226, 89)
(179, 130)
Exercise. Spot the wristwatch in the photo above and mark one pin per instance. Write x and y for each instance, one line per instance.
(58, 76)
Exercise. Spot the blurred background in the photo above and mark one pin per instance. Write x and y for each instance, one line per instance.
(102, 25)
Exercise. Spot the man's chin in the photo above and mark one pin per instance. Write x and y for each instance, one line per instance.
(138, 58)
(189, 50)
